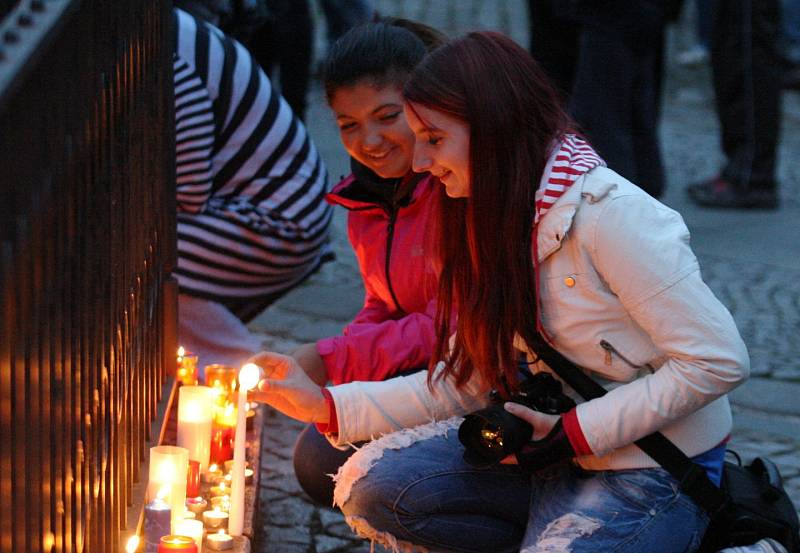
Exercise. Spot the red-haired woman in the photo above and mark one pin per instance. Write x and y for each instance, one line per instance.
(546, 244)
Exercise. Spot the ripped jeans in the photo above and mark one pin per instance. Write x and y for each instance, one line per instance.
(424, 497)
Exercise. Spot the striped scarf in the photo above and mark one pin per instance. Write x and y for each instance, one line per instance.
(574, 158)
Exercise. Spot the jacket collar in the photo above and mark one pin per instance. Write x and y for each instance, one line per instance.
(552, 228)
(422, 183)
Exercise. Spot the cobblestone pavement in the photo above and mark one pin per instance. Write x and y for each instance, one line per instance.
(750, 260)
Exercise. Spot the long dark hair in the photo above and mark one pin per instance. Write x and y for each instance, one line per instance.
(384, 52)
(514, 117)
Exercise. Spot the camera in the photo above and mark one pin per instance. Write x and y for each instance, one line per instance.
(492, 433)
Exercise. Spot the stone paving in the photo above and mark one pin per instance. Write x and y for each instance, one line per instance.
(750, 260)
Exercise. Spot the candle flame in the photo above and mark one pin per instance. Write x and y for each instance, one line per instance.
(249, 376)
(181, 351)
(222, 485)
(132, 545)
(163, 492)
(213, 468)
(221, 532)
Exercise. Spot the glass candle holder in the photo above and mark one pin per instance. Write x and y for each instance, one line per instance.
(195, 414)
(193, 479)
(213, 475)
(167, 477)
(221, 443)
(177, 544)
(223, 378)
(221, 503)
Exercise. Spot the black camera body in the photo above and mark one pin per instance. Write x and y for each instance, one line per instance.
(492, 433)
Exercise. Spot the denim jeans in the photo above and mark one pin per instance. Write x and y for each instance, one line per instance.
(425, 494)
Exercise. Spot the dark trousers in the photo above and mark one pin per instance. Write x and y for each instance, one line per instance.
(747, 87)
(314, 460)
(284, 45)
(607, 60)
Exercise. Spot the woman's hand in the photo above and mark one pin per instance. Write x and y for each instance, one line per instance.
(288, 388)
(542, 424)
(307, 357)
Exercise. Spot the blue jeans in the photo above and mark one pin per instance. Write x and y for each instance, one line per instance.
(427, 495)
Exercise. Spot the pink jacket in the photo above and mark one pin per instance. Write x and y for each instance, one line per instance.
(391, 248)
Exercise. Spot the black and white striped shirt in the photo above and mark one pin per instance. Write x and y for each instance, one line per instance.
(252, 220)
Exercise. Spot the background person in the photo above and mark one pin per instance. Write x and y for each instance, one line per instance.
(252, 221)
(551, 245)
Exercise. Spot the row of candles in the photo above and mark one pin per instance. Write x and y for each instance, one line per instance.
(212, 421)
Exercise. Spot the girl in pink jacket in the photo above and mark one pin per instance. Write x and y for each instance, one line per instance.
(391, 213)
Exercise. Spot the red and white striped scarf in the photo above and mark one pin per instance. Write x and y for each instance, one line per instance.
(574, 158)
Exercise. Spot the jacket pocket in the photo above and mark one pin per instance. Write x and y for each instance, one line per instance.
(624, 365)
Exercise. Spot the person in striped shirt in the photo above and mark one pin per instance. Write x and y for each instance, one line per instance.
(252, 220)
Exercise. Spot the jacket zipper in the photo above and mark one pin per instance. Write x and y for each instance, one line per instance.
(389, 239)
(611, 349)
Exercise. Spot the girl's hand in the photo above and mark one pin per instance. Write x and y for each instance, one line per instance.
(542, 424)
(288, 388)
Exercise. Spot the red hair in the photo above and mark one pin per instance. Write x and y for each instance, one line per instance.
(514, 115)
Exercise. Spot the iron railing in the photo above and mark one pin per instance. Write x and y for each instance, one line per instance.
(87, 243)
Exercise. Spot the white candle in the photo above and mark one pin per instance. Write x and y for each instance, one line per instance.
(167, 478)
(195, 415)
(248, 378)
(193, 529)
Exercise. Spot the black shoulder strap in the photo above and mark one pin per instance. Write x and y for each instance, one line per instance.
(692, 477)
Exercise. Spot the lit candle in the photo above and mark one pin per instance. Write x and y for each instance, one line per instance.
(221, 503)
(221, 442)
(168, 468)
(196, 505)
(248, 378)
(177, 544)
(132, 545)
(216, 519)
(223, 378)
(193, 529)
(187, 367)
(220, 489)
(193, 479)
(213, 475)
(157, 520)
(195, 413)
(219, 541)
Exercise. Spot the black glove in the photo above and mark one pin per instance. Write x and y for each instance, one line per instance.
(553, 448)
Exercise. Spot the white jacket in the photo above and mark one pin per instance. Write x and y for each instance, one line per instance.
(621, 296)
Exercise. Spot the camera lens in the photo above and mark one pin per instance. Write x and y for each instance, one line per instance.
(490, 434)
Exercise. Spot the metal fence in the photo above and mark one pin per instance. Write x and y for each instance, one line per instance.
(86, 246)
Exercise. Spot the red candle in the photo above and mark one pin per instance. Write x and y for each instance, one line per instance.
(193, 479)
(221, 444)
(177, 544)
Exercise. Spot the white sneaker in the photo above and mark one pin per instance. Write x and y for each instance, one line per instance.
(767, 545)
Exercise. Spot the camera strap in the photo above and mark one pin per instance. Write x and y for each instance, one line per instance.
(693, 479)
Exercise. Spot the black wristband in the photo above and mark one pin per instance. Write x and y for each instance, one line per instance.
(552, 449)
